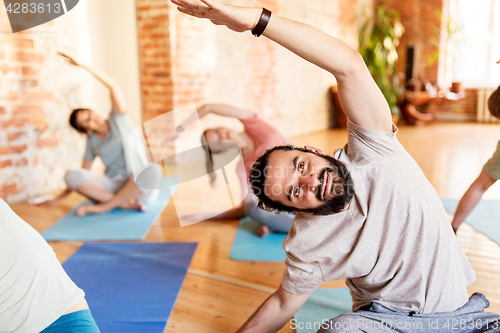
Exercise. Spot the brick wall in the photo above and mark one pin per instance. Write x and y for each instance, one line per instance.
(156, 70)
(186, 60)
(36, 92)
(153, 26)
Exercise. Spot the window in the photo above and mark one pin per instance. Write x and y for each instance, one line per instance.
(476, 47)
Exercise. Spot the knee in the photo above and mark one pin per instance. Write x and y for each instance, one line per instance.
(73, 179)
(150, 177)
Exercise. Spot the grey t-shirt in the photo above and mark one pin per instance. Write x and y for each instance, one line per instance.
(492, 167)
(35, 290)
(394, 244)
(110, 150)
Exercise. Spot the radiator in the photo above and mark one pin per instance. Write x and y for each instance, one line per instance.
(483, 115)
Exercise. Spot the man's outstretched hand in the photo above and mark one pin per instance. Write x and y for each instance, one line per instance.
(236, 18)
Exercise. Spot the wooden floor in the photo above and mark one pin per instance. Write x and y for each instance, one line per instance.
(219, 294)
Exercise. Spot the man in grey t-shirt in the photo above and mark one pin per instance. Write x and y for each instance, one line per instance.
(393, 242)
(368, 214)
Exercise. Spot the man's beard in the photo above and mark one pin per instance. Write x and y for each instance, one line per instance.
(342, 186)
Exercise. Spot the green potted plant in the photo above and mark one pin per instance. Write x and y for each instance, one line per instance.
(453, 33)
(378, 40)
(453, 30)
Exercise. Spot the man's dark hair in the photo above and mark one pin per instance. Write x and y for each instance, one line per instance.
(74, 123)
(258, 176)
(494, 103)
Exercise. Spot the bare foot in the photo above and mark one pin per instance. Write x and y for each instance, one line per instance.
(133, 204)
(263, 230)
(91, 209)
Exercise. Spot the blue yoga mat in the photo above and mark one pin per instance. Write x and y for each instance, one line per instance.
(322, 304)
(248, 246)
(130, 287)
(117, 224)
(485, 217)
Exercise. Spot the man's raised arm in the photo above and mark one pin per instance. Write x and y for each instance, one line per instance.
(361, 99)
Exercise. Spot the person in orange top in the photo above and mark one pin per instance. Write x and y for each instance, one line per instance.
(257, 137)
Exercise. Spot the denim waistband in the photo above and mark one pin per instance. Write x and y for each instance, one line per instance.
(477, 302)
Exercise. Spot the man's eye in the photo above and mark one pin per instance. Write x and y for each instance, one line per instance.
(296, 192)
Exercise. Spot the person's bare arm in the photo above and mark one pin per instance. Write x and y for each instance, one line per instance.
(218, 109)
(221, 110)
(87, 164)
(361, 98)
(226, 111)
(115, 92)
(274, 313)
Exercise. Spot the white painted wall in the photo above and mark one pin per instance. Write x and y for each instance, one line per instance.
(114, 49)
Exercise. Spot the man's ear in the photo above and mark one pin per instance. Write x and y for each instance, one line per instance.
(314, 149)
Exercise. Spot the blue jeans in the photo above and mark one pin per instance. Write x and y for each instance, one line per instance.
(468, 319)
(75, 322)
